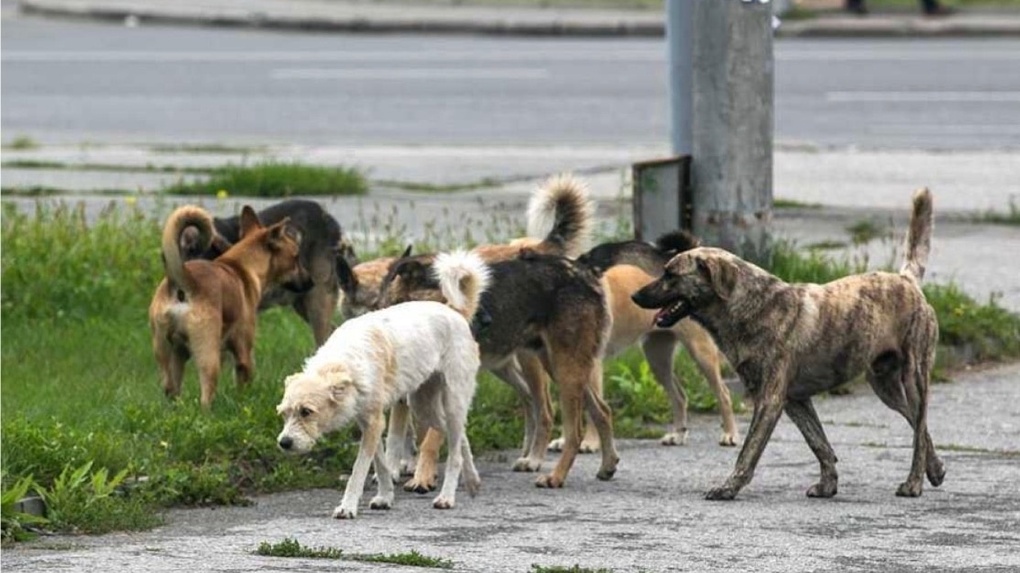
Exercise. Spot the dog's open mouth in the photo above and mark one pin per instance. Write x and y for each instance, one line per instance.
(671, 314)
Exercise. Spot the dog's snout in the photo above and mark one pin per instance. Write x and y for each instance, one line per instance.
(286, 443)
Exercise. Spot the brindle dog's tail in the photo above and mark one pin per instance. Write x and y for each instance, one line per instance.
(181, 219)
(562, 206)
(463, 277)
(918, 242)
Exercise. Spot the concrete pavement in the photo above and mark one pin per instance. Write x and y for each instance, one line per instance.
(354, 16)
(651, 516)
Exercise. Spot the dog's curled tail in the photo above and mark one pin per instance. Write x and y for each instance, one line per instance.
(676, 242)
(463, 277)
(918, 242)
(561, 210)
(176, 223)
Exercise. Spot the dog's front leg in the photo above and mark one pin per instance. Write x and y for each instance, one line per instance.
(371, 434)
(802, 412)
(768, 407)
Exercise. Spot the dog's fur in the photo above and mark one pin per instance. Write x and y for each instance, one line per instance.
(560, 211)
(791, 341)
(626, 266)
(544, 307)
(202, 306)
(420, 350)
(320, 240)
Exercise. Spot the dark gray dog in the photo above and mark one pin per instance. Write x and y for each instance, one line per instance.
(320, 243)
(791, 341)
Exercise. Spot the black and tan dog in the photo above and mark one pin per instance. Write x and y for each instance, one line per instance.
(544, 306)
(202, 306)
(625, 267)
(320, 241)
(791, 341)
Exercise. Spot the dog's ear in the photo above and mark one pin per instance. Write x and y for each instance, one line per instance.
(345, 273)
(249, 221)
(722, 275)
(281, 232)
(219, 245)
(407, 252)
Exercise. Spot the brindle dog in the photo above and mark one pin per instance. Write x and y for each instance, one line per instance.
(791, 341)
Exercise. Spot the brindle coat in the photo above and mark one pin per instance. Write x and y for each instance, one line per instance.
(791, 341)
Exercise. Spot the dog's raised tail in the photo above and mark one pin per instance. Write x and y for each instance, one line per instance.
(463, 277)
(562, 212)
(176, 223)
(918, 243)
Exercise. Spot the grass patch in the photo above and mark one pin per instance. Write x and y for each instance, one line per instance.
(536, 568)
(211, 148)
(21, 142)
(826, 246)
(276, 179)
(864, 231)
(485, 183)
(1011, 217)
(411, 558)
(792, 204)
(291, 547)
(104, 167)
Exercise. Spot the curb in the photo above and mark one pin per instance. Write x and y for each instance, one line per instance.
(641, 26)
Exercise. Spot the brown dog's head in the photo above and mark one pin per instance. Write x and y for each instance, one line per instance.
(360, 284)
(282, 242)
(692, 280)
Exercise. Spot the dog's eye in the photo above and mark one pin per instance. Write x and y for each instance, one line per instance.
(305, 412)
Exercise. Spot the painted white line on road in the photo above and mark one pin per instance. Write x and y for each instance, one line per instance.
(409, 74)
(922, 97)
(894, 55)
(972, 129)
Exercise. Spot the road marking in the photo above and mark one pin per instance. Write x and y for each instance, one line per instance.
(409, 74)
(922, 97)
(480, 55)
(789, 54)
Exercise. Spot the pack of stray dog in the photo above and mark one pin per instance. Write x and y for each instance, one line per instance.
(548, 307)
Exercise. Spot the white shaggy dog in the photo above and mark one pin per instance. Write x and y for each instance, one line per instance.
(422, 350)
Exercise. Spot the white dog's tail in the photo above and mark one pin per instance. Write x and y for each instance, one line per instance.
(562, 212)
(918, 242)
(180, 219)
(463, 277)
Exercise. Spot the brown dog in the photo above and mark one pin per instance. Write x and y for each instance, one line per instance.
(202, 306)
(791, 341)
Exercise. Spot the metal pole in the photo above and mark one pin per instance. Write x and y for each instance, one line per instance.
(679, 17)
(731, 171)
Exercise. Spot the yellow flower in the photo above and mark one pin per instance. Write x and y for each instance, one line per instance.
(131, 200)
(222, 194)
(958, 311)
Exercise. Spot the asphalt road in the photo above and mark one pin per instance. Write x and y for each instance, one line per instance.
(651, 516)
(73, 82)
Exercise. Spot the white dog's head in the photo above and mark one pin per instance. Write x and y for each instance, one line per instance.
(315, 403)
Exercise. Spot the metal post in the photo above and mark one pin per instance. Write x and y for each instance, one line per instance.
(679, 18)
(731, 171)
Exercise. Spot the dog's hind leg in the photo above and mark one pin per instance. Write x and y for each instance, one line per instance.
(768, 407)
(317, 306)
(602, 419)
(803, 414)
(384, 480)
(371, 435)
(456, 400)
(707, 356)
(171, 367)
(243, 363)
(524, 374)
(398, 458)
(428, 415)
(571, 372)
(205, 346)
(659, 349)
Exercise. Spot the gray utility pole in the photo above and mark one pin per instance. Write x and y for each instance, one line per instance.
(730, 118)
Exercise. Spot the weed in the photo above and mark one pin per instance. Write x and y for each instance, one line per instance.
(211, 148)
(793, 204)
(484, 183)
(14, 523)
(22, 142)
(536, 568)
(291, 547)
(276, 179)
(60, 166)
(864, 231)
(826, 246)
(411, 558)
(86, 501)
(1012, 217)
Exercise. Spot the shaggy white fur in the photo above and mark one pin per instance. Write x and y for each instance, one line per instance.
(422, 350)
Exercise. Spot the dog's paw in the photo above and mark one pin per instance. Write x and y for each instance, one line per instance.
(548, 481)
(556, 445)
(526, 465)
(606, 474)
(443, 502)
(936, 472)
(472, 485)
(342, 512)
(381, 502)
(674, 439)
(729, 440)
(822, 489)
(420, 486)
(721, 494)
(909, 489)
(589, 447)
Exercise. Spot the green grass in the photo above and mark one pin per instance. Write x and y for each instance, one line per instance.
(291, 547)
(792, 204)
(106, 167)
(536, 568)
(485, 183)
(212, 148)
(21, 143)
(80, 386)
(276, 179)
(864, 231)
(1010, 217)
